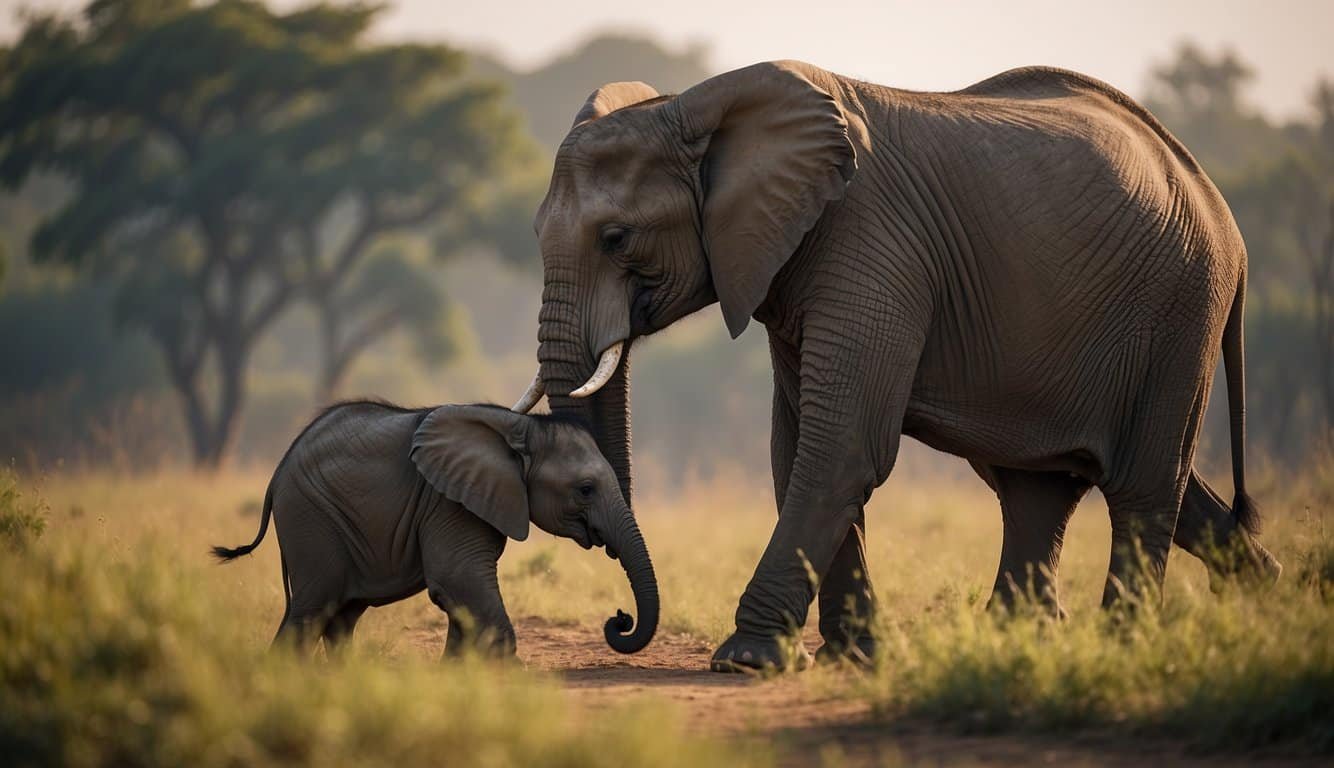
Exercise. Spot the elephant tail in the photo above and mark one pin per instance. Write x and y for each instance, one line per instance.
(1244, 509)
(225, 554)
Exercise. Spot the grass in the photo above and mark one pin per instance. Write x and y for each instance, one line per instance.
(117, 648)
(128, 646)
(1236, 670)
(1229, 672)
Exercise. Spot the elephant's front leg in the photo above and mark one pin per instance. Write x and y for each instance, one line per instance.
(459, 562)
(847, 602)
(849, 418)
(477, 617)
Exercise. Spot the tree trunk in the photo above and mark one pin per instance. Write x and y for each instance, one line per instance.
(332, 368)
(211, 431)
(232, 364)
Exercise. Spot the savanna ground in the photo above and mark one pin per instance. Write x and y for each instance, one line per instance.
(121, 643)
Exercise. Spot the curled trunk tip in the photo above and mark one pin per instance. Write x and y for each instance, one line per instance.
(623, 637)
(626, 634)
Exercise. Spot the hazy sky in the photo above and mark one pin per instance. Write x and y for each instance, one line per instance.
(931, 45)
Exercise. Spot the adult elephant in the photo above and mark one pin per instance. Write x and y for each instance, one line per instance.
(1030, 273)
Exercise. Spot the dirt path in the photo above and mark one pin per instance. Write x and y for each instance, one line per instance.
(802, 722)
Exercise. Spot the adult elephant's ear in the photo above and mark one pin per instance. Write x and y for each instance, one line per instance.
(612, 97)
(475, 455)
(774, 151)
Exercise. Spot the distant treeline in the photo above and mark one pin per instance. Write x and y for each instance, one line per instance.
(221, 216)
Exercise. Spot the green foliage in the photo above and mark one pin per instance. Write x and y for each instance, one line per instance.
(21, 522)
(1218, 671)
(393, 289)
(56, 333)
(206, 189)
(1279, 182)
(1201, 98)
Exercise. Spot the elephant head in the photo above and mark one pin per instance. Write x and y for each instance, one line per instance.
(510, 469)
(660, 206)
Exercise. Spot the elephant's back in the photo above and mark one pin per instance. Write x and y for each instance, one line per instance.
(349, 436)
(1083, 226)
(1052, 83)
(1101, 159)
(348, 477)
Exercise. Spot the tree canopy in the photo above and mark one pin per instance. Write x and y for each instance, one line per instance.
(229, 160)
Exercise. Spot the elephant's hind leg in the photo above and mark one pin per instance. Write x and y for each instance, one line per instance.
(301, 629)
(1208, 530)
(847, 602)
(338, 630)
(1144, 499)
(315, 566)
(1035, 507)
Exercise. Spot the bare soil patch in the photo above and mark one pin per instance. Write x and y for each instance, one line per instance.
(808, 724)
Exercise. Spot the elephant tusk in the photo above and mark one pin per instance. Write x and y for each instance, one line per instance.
(530, 398)
(611, 358)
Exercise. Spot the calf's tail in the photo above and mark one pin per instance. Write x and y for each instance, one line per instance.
(225, 554)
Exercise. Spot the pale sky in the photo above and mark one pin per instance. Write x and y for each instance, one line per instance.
(924, 45)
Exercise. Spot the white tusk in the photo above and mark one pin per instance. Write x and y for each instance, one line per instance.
(611, 358)
(530, 398)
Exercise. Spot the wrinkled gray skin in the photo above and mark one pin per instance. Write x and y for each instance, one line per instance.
(1030, 273)
(374, 503)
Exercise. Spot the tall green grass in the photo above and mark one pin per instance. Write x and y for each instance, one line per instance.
(1237, 670)
(112, 661)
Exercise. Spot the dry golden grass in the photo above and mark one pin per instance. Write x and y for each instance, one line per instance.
(1238, 670)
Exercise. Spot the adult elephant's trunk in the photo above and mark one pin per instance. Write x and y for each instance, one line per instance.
(608, 413)
(623, 633)
(565, 365)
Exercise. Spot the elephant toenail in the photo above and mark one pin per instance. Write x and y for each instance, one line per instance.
(746, 656)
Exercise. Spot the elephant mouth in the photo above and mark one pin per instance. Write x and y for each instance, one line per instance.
(582, 535)
(588, 538)
(641, 323)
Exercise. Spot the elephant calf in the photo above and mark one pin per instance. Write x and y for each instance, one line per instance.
(374, 503)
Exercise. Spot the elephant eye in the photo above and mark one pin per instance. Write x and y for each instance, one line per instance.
(586, 490)
(613, 240)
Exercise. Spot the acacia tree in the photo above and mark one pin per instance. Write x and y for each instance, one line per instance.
(1302, 199)
(1277, 181)
(384, 177)
(208, 146)
(1286, 209)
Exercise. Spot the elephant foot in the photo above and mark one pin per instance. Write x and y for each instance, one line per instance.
(753, 653)
(860, 651)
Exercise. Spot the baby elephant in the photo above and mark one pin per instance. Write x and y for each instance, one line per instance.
(374, 503)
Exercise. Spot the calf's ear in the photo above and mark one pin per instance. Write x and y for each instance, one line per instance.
(475, 455)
